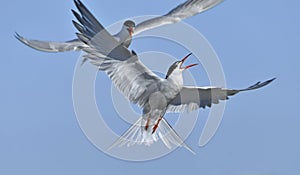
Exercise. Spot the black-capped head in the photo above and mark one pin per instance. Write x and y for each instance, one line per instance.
(177, 66)
(130, 25)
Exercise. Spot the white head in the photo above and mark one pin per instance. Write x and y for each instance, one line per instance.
(176, 69)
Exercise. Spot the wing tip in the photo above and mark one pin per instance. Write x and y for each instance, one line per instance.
(259, 84)
(133, 52)
(23, 40)
(271, 80)
(262, 84)
(19, 37)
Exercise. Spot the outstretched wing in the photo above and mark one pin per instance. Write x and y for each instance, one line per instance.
(50, 46)
(124, 68)
(183, 11)
(192, 98)
(90, 26)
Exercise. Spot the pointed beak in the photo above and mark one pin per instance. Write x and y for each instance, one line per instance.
(189, 66)
(184, 59)
(130, 30)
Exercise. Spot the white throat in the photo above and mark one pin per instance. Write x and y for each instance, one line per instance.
(176, 78)
(123, 35)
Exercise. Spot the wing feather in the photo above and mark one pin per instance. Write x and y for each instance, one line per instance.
(182, 11)
(49, 46)
(192, 98)
(89, 27)
(123, 67)
(132, 78)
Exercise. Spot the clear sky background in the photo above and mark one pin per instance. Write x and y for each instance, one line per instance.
(255, 40)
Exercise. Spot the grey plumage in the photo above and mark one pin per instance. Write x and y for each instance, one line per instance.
(192, 98)
(185, 10)
(46, 46)
(90, 25)
(155, 95)
(139, 84)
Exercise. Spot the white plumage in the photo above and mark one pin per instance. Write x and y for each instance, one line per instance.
(129, 29)
(141, 86)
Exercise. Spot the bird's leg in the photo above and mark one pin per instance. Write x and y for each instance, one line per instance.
(147, 124)
(156, 125)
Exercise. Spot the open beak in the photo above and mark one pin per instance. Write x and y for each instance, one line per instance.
(130, 30)
(184, 59)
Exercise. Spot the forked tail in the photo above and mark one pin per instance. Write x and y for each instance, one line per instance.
(137, 134)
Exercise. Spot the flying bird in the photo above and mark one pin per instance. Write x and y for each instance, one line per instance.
(156, 96)
(129, 29)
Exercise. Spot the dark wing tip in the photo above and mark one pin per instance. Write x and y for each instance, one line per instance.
(79, 27)
(80, 6)
(20, 38)
(133, 52)
(272, 79)
(266, 82)
(16, 35)
(259, 85)
(77, 15)
(77, 3)
(82, 38)
(73, 11)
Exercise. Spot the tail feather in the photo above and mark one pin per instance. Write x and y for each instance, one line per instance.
(125, 137)
(169, 135)
(137, 134)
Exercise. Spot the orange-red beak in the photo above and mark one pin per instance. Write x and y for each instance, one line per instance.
(184, 59)
(130, 30)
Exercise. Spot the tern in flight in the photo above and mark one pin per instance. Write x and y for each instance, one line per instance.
(129, 29)
(156, 96)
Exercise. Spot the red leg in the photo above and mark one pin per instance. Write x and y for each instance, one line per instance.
(147, 124)
(156, 125)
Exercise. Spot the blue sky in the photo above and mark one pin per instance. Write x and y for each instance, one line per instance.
(255, 40)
